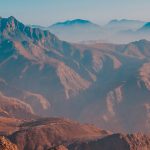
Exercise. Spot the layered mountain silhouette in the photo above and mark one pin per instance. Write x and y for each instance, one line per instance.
(104, 84)
(116, 31)
(124, 24)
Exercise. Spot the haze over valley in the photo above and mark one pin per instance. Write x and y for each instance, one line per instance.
(74, 84)
(115, 31)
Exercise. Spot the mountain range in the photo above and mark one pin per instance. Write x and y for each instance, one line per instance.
(107, 85)
(116, 31)
(53, 77)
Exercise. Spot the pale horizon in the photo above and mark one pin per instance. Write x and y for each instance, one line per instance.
(45, 12)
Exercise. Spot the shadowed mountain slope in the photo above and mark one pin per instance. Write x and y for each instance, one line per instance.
(115, 142)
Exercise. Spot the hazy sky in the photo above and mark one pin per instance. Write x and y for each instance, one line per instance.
(46, 12)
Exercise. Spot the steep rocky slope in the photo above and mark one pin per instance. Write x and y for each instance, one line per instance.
(11, 107)
(9, 125)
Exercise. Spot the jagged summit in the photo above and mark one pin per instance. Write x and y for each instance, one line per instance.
(14, 30)
(10, 23)
(12, 18)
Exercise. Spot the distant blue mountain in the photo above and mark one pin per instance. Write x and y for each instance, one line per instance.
(76, 30)
(125, 24)
(125, 21)
(146, 27)
(117, 31)
(74, 22)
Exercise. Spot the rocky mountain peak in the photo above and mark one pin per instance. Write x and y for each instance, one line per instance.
(10, 24)
(14, 30)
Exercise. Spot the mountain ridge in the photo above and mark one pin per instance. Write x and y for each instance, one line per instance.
(115, 31)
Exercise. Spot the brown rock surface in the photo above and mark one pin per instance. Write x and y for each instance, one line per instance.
(12, 107)
(9, 125)
(45, 133)
(61, 147)
(6, 144)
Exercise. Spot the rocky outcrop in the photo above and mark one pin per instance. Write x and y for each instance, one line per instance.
(61, 147)
(9, 125)
(7, 145)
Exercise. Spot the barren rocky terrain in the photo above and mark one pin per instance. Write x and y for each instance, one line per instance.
(90, 83)
(107, 85)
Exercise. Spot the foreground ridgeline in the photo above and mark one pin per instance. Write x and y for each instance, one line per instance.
(45, 133)
(115, 142)
(64, 134)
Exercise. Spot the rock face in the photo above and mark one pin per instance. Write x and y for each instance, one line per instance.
(6, 144)
(45, 133)
(115, 142)
(12, 107)
(61, 147)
